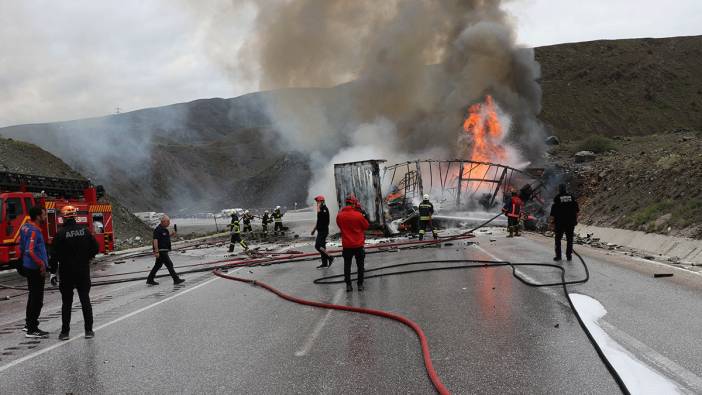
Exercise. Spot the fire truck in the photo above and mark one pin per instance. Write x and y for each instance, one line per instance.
(20, 192)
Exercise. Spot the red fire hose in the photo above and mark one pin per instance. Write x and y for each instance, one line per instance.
(433, 376)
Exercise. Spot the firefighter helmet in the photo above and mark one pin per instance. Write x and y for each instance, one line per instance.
(319, 198)
(277, 207)
(246, 212)
(69, 211)
(426, 196)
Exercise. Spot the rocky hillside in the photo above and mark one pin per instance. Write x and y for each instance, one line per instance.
(189, 157)
(21, 157)
(649, 183)
(622, 87)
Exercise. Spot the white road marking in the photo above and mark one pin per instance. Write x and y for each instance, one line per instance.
(670, 368)
(307, 346)
(546, 290)
(124, 317)
(639, 377)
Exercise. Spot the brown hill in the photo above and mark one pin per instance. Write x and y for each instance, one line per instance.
(622, 87)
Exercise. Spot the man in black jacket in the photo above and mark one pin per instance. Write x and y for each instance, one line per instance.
(322, 229)
(564, 217)
(71, 251)
(162, 246)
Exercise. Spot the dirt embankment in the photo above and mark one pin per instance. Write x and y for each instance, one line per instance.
(21, 157)
(649, 183)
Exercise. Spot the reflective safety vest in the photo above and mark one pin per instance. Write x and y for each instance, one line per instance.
(513, 207)
(236, 228)
(426, 210)
(278, 216)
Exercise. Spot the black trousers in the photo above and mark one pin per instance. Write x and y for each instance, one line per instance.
(349, 254)
(321, 242)
(163, 259)
(80, 282)
(35, 300)
(568, 231)
(247, 228)
(278, 227)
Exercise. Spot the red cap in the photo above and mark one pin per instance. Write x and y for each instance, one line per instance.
(351, 199)
(319, 198)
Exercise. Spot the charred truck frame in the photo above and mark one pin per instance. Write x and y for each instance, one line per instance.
(19, 192)
(455, 184)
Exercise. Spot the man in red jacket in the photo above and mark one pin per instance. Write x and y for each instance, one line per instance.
(353, 222)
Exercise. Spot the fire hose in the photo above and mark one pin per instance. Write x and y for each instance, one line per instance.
(431, 372)
(468, 264)
(433, 376)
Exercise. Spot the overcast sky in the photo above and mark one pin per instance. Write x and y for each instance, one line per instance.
(63, 60)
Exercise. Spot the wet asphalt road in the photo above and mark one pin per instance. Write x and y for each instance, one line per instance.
(487, 332)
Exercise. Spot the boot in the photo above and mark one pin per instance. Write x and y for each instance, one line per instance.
(516, 231)
(511, 231)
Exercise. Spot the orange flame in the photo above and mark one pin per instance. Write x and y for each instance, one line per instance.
(485, 131)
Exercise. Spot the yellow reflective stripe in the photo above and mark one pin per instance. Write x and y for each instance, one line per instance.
(14, 238)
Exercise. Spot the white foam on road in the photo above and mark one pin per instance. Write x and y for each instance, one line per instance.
(638, 377)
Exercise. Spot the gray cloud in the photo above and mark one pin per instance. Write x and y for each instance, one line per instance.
(66, 60)
(72, 59)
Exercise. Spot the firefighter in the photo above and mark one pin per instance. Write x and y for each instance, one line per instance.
(353, 223)
(247, 217)
(563, 218)
(162, 246)
(235, 231)
(71, 252)
(34, 265)
(426, 210)
(322, 229)
(278, 219)
(513, 210)
(265, 220)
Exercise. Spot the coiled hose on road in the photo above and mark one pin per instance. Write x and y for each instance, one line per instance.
(468, 264)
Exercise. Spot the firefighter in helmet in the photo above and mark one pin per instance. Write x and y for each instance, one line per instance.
(513, 210)
(71, 251)
(426, 210)
(246, 218)
(265, 220)
(278, 219)
(235, 231)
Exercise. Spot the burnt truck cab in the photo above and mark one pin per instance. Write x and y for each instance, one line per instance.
(15, 205)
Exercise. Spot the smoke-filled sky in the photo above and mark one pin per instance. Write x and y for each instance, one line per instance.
(66, 60)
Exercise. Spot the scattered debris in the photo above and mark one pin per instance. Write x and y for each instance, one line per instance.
(585, 156)
(657, 275)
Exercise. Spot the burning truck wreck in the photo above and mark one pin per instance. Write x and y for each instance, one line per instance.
(462, 191)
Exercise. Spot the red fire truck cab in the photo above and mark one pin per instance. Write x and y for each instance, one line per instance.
(19, 192)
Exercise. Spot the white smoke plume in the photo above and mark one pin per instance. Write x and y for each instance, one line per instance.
(409, 70)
